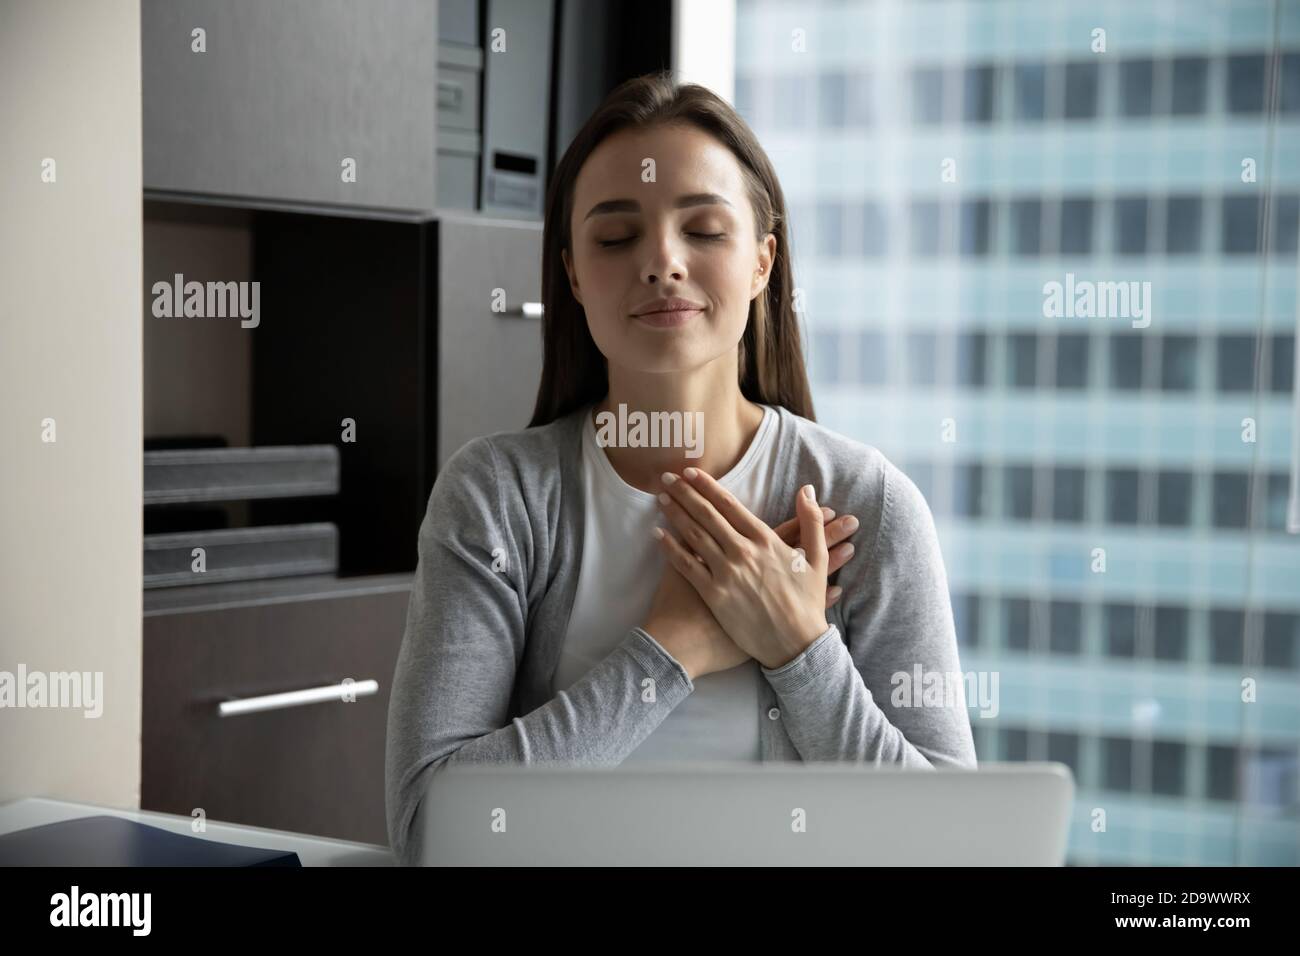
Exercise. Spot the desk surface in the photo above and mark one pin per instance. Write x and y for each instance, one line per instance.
(311, 850)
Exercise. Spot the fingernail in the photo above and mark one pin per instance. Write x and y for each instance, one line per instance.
(834, 592)
(690, 473)
(668, 477)
(657, 532)
(663, 497)
(808, 493)
(850, 523)
(849, 549)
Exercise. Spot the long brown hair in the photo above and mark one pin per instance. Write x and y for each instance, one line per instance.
(574, 371)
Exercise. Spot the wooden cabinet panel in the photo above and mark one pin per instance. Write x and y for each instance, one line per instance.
(316, 768)
(284, 92)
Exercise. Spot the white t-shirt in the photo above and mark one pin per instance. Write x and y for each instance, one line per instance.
(620, 572)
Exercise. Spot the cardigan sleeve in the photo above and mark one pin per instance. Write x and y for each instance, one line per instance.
(464, 640)
(859, 700)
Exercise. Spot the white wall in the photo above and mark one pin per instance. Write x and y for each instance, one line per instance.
(71, 291)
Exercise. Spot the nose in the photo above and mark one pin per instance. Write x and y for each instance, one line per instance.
(664, 262)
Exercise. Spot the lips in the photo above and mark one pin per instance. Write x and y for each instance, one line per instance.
(669, 318)
(667, 312)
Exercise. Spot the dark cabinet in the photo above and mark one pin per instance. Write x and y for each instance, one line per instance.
(413, 333)
(312, 768)
(283, 94)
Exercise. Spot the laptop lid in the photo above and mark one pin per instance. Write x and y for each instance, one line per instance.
(732, 814)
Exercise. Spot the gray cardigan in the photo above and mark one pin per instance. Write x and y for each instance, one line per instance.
(499, 552)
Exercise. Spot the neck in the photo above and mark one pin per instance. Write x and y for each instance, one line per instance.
(717, 426)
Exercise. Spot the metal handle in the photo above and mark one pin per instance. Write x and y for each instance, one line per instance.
(528, 310)
(296, 698)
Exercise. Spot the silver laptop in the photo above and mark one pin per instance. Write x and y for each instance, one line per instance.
(730, 814)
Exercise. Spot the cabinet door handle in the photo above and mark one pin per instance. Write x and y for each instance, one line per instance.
(528, 310)
(296, 698)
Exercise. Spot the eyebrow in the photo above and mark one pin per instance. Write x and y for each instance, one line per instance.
(631, 205)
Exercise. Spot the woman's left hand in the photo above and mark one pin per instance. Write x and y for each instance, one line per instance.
(768, 597)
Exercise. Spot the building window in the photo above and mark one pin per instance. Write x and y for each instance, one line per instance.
(1229, 499)
(1122, 496)
(1236, 365)
(1174, 499)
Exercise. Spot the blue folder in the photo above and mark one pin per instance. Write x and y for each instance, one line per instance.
(113, 841)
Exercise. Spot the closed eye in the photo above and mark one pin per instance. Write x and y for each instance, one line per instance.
(710, 236)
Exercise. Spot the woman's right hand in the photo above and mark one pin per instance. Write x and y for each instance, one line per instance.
(683, 624)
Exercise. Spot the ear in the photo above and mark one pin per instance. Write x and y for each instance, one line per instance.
(573, 279)
(766, 256)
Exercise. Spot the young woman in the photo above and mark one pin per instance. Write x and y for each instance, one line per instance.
(549, 623)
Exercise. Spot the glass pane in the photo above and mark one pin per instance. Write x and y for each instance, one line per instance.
(1099, 312)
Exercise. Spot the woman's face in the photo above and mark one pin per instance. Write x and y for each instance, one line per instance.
(689, 234)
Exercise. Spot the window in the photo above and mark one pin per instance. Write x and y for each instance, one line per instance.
(875, 230)
(1072, 360)
(1282, 640)
(1227, 636)
(1183, 225)
(1168, 767)
(1066, 627)
(1286, 225)
(1015, 619)
(1068, 493)
(925, 227)
(1189, 85)
(1064, 748)
(1120, 621)
(1080, 432)
(1029, 91)
(1019, 487)
(1015, 744)
(1171, 633)
(972, 349)
(1131, 226)
(1229, 499)
(830, 229)
(1270, 777)
(1126, 361)
(1178, 365)
(927, 96)
(873, 358)
(1246, 83)
(1221, 781)
(791, 98)
(921, 358)
(974, 227)
(1240, 225)
(1026, 227)
(1289, 79)
(966, 617)
(1236, 363)
(1022, 359)
(968, 491)
(1081, 90)
(1283, 377)
(1122, 496)
(826, 355)
(978, 85)
(1076, 227)
(1272, 491)
(832, 99)
(1117, 763)
(1136, 80)
(1174, 499)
